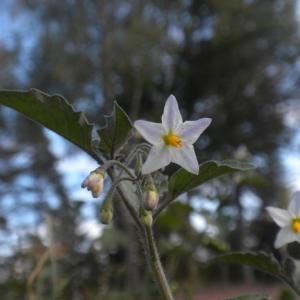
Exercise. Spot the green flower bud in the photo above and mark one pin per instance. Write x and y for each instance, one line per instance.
(147, 218)
(106, 211)
(106, 215)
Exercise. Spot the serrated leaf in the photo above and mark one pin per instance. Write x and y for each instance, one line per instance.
(183, 181)
(250, 297)
(262, 261)
(54, 112)
(113, 134)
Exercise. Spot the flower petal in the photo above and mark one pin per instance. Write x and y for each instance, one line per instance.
(191, 130)
(285, 236)
(186, 158)
(158, 157)
(151, 132)
(171, 118)
(280, 216)
(294, 206)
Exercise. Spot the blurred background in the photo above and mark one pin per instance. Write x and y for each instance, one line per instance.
(234, 61)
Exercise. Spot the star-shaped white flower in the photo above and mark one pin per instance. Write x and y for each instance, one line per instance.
(288, 220)
(172, 139)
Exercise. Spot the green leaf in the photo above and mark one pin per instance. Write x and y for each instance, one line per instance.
(183, 181)
(53, 112)
(115, 131)
(262, 261)
(250, 297)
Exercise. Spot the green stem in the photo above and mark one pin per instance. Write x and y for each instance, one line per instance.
(130, 208)
(136, 150)
(291, 284)
(126, 202)
(111, 163)
(156, 265)
(116, 183)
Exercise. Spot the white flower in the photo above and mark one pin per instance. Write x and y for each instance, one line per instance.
(172, 139)
(288, 220)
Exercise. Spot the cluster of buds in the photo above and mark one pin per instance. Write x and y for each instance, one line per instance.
(94, 182)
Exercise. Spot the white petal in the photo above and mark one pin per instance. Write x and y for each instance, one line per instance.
(285, 236)
(158, 157)
(294, 206)
(186, 158)
(151, 132)
(191, 130)
(280, 216)
(171, 118)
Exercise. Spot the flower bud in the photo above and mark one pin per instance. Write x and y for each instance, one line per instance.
(106, 215)
(151, 199)
(150, 194)
(94, 182)
(106, 210)
(147, 218)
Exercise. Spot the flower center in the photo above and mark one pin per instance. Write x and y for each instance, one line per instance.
(296, 225)
(172, 140)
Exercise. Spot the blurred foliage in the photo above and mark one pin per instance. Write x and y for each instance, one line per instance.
(233, 61)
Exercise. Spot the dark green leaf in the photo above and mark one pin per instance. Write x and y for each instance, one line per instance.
(115, 131)
(53, 112)
(262, 261)
(183, 181)
(250, 297)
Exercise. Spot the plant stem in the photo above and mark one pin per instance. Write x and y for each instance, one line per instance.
(290, 283)
(113, 162)
(130, 208)
(156, 265)
(127, 203)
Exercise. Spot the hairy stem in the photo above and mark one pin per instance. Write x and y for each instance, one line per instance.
(111, 163)
(130, 208)
(156, 265)
(126, 202)
(291, 284)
